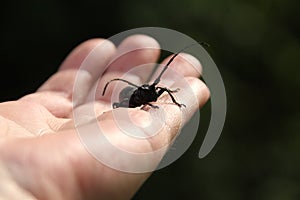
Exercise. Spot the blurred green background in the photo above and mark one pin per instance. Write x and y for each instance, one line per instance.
(256, 46)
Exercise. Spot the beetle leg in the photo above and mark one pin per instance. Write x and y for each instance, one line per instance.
(153, 106)
(172, 91)
(162, 90)
(124, 104)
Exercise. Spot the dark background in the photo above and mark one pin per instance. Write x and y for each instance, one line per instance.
(256, 46)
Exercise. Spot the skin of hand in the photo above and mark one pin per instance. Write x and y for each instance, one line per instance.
(41, 155)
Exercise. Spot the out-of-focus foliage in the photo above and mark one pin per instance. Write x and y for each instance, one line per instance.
(256, 46)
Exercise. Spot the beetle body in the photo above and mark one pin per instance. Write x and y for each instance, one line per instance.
(135, 96)
(131, 97)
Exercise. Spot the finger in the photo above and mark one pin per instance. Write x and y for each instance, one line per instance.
(96, 53)
(134, 51)
(193, 94)
(77, 56)
(91, 58)
(61, 80)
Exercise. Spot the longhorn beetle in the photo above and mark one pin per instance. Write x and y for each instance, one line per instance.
(134, 95)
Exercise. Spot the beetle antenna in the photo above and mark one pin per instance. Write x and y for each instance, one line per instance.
(118, 79)
(157, 80)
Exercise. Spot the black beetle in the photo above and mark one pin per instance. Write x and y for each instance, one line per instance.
(142, 95)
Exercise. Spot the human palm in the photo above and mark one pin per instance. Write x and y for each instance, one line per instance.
(41, 155)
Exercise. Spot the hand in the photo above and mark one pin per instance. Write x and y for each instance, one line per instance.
(41, 156)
